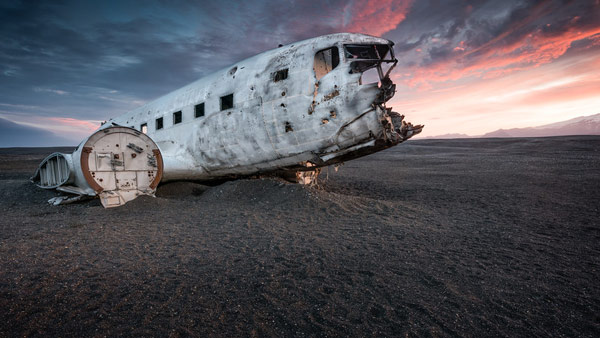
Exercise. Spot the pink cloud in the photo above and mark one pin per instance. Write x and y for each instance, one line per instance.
(488, 61)
(553, 92)
(575, 91)
(75, 123)
(377, 17)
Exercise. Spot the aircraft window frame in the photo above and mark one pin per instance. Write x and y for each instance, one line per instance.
(199, 110)
(226, 102)
(280, 75)
(159, 123)
(144, 128)
(325, 61)
(177, 117)
(369, 52)
(365, 56)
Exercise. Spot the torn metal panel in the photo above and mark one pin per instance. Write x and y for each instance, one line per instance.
(55, 170)
(308, 176)
(306, 102)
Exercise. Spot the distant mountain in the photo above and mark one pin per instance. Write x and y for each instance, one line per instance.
(17, 135)
(583, 125)
(449, 136)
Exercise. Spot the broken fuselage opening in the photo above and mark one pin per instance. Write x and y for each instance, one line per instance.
(373, 58)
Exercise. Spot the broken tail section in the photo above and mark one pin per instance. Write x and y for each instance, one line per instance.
(396, 129)
(117, 164)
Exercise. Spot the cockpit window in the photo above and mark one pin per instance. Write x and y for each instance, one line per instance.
(325, 61)
(367, 52)
(364, 57)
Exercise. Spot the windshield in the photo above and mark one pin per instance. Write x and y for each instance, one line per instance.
(365, 57)
(367, 52)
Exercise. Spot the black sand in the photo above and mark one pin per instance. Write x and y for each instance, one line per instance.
(489, 237)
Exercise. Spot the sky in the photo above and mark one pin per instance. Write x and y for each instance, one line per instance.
(466, 67)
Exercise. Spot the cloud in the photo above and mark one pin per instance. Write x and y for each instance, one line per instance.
(18, 135)
(89, 61)
(86, 126)
(556, 91)
(152, 50)
(576, 91)
(376, 17)
(66, 128)
(525, 37)
(49, 90)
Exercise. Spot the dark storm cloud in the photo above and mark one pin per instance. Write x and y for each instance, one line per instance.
(80, 51)
(41, 51)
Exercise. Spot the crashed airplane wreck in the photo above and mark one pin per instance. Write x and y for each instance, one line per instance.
(288, 111)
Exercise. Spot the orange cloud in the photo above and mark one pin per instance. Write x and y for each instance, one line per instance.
(84, 125)
(377, 17)
(488, 61)
(66, 127)
(552, 92)
(572, 92)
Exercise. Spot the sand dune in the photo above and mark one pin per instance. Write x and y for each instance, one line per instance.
(473, 237)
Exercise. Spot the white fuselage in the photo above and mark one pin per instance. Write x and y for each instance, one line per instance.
(273, 123)
(286, 111)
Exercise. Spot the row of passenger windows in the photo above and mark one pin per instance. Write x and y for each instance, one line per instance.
(226, 103)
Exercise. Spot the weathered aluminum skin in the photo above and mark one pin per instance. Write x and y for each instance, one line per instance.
(278, 124)
(272, 125)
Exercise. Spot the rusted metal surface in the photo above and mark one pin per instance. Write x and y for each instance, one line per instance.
(157, 164)
(85, 170)
(292, 109)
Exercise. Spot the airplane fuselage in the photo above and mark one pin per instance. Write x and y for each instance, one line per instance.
(273, 111)
(288, 110)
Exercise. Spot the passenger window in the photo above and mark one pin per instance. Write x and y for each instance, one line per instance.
(177, 117)
(227, 102)
(325, 61)
(159, 123)
(144, 128)
(280, 75)
(199, 110)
